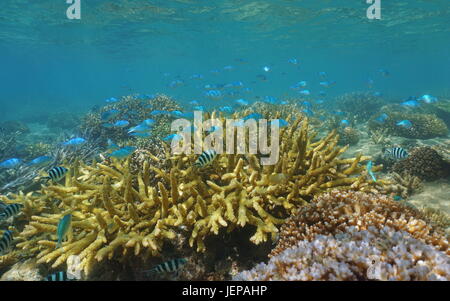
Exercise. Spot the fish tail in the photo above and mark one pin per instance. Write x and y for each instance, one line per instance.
(373, 176)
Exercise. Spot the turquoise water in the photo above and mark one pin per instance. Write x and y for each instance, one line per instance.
(123, 47)
(376, 88)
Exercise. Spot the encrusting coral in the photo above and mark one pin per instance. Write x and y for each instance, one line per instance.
(116, 209)
(359, 105)
(425, 163)
(373, 254)
(134, 109)
(424, 126)
(332, 212)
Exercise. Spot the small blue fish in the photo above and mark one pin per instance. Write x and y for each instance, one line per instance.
(428, 99)
(241, 102)
(410, 104)
(377, 94)
(105, 116)
(308, 112)
(382, 118)
(266, 69)
(64, 226)
(345, 123)
(122, 152)
(405, 123)
(255, 116)
(322, 93)
(111, 145)
(369, 170)
(293, 61)
(122, 123)
(226, 109)
(176, 83)
(158, 112)
(189, 115)
(237, 84)
(397, 198)
(307, 104)
(228, 68)
(40, 160)
(194, 103)
(199, 108)
(196, 76)
(213, 129)
(213, 94)
(111, 100)
(75, 141)
(176, 113)
(322, 74)
(11, 163)
(140, 135)
(172, 136)
(270, 99)
(281, 122)
(304, 92)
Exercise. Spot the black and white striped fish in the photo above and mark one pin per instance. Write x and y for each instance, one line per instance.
(5, 242)
(205, 158)
(395, 153)
(10, 210)
(170, 266)
(58, 276)
(57, 173)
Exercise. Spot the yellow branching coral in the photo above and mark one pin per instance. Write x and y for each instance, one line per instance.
(116, 210)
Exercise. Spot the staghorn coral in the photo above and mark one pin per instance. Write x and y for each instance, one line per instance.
(380, 137)
(436, 216)
(403, 185)
(373, 254)
(425, 163)
(116, 211)
(425, 126)
(332, 212)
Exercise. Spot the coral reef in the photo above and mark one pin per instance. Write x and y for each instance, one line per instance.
(348, 135)
(380, 137)
(359, 105)
(425, 126)
(116, 211)
(62, 120)
(403, 185)
(134, 110)
(373, 254)
(425, 163)
(332, 212)
(436, 216)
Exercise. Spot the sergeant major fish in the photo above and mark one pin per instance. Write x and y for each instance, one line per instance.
(205, 158)
(170, 266)
(5, 242)
(10, 210)
(395, 153)
(57, 173)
